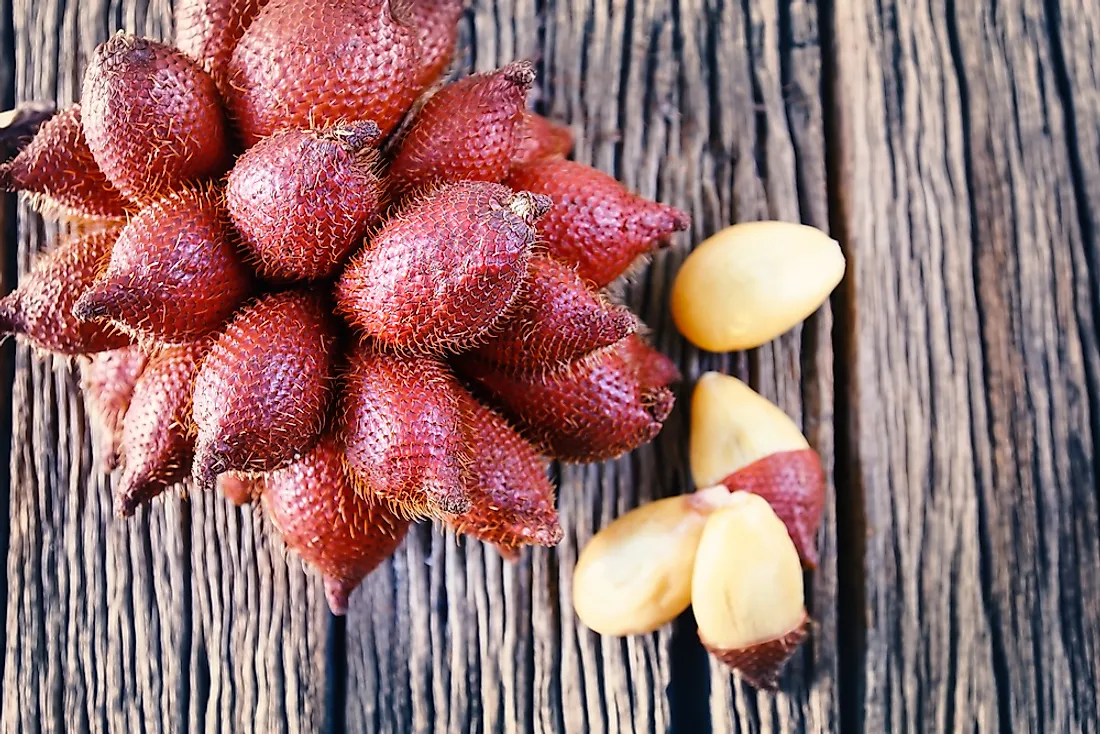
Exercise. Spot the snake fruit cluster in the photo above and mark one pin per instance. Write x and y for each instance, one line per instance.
(320, 276)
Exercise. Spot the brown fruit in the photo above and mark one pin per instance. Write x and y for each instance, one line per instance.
(317, 63)
(416, 290)
(436, 24)
(174, 275)
(263, 390)
(152, 117)
(41, 308)
(240, 489)
(540, 138)
(302, 199)
(157, 441)
(596, 225)
(511, 497)
(557, 319)
(594, 409)
(468, 130)
(58, 170)
(402, 426)
(321, 517)
(108, 380)
(208, 31)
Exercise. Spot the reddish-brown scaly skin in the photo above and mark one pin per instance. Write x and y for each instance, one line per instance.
(333, 528)
(302, 199)
(651, 366)
(107, 380)
(540, 138)
(467, 131)
(58, 169)
(762, 664)
(240, 489)
(511, 497)
(152, 117)
(556, 319)
(317, 63)
(157, 441)
(262, 392)
(402, 427)
(793, 483)
(174, 274)
(415, 290)
(41, 308)
(208, 31)
(594, 409)
(596, 225)
(436, 24)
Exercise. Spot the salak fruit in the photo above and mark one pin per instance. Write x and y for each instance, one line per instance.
(108, 380)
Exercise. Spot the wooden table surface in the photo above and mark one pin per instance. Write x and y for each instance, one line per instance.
(952, 386)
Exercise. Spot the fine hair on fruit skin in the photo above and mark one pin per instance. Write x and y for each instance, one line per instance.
(107, 380)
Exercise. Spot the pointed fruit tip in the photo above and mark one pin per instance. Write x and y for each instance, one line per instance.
(658, 403)
(7, 178)
(359, 135)
(10, 315)
(204, 468)
(91, 306)
(529, 206)
(337, 593)
(520, 73)
(761, 665)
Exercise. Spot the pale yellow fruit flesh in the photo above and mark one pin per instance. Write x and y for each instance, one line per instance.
(752, 282)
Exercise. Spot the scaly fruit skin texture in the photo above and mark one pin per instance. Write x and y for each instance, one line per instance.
(468, 130)
(263, 390)
(436, 24)
(157, 441)
(596, 225)
(108, 380)
(41, 308)
(557, 319)
(57, 168)
(208, 31)
(302, 199)
(152, 117)
(402, 428)
(334, 529)
(511, 497)
(415, 289)
(540, 138)
(316, 63)
(174, 274)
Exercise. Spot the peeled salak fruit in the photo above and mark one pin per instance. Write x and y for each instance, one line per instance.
(157, 440)
(439, 275)
(152, 117)
(262, 392)
(511, 497)
(596, 225)
(41, 308)
(174, 275)
(341, 533)
(557, 319)
(316, 63)
(402, 427)
(540, 138)
(107, 380)
(301, 199)
(436, 24)
(594, 409)
(58, 170)
(208, 31)
(742, 440)
(468, 130)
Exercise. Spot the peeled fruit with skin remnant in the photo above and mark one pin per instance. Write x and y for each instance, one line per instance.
(747, 590)
(595, 225)
(436, 24)
(540, 138)
(468, 130)
(752, 282)
(317, 63)
(208, 31)
(402, 430)
(107, 380)
(556, 319)
(157, 440)
(169, 109)
(634, 575)
(511, 497)
(743, 441)
(40, 310)
(324, 520)
(174, 274)
(302, 199)
(58, 170)
(416, 290)
(263, 390)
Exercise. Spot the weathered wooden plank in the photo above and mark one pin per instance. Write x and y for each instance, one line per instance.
(449, 638)
(187, 617)
(970, 349)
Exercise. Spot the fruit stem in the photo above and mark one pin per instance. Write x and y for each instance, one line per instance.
(11, 321)
(358, 135)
